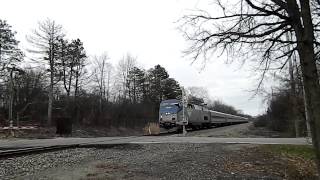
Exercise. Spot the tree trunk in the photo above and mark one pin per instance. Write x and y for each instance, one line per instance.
(70, 78)
(75, 100)
(11, 97)
(293, 100)
(108, 86)
(134, 90)
(50, 101)
(303, 27)
(0, 52)
(312, 96)
(63, 59)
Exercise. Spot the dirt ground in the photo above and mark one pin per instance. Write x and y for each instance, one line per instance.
(160, 161)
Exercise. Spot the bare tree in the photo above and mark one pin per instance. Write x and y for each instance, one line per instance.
(101, 75)
(125, 65)
(44, 39)
(256, 30)
(199, 92)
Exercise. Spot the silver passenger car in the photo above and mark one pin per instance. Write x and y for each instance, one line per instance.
(172, 112)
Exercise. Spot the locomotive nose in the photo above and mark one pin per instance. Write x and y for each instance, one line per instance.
(168, 117)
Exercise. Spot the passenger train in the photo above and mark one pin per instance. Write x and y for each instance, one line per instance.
(172, 113)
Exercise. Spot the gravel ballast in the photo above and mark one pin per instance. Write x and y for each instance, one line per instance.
(133, 161)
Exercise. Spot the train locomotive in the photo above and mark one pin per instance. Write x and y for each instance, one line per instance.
(172, 113)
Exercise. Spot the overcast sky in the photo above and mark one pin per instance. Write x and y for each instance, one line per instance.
(147, 30)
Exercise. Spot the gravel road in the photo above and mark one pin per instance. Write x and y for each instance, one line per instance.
(150, 161)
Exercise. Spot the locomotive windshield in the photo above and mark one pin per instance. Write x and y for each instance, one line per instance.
(169, 107)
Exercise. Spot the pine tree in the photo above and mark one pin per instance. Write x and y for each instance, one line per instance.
(156, 77)
(71, 59)
(136, 79)
(9, 51)
(171, 89)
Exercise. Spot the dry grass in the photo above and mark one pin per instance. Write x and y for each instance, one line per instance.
(300, 160)
(285, 161)
(151, 129)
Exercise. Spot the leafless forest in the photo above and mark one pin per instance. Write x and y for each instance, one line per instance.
(55, 80)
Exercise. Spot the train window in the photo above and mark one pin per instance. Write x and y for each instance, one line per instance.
(190, 106)
(205, 118)
(197, 107)
(169, 103)
(177, 104)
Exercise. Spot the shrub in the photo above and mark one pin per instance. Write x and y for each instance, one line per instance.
(151, 129)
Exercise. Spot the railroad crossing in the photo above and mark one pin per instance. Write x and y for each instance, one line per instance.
(13, 147)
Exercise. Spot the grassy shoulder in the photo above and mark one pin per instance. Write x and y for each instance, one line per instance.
(292, 162)
(302, 151)
(300, 160)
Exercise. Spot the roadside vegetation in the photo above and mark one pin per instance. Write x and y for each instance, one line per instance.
(296, 162)
(301, 160)
(302, 151)
(286, 107)
(151, 129)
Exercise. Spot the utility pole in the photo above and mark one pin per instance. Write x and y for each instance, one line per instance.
(305, 104)
(12, 71)
(184, 119)
(11, 98)
(306, 114)
(293, 96)
(268, 116)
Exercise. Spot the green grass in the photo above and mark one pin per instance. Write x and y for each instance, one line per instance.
(303, 151)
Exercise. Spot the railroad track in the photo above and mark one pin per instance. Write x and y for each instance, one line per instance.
(24, 151)
(11, 152)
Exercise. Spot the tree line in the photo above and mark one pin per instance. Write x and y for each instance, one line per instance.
(286, 106)
(60, 80)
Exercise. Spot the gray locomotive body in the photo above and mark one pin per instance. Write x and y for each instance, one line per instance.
(173, 113)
